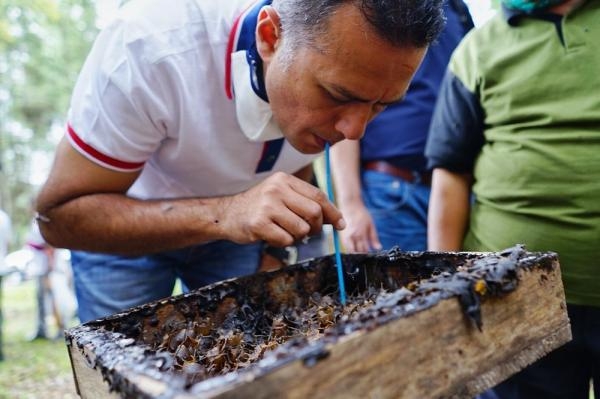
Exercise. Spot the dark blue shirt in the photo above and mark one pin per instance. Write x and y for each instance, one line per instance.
(399, 133)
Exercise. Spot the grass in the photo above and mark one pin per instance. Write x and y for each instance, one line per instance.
(31, 369)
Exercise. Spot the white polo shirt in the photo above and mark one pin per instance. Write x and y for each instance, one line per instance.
(153, 95)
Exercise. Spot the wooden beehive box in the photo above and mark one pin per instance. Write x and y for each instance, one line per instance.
(449, 325)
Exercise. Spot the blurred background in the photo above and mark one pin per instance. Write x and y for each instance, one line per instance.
(43, 44)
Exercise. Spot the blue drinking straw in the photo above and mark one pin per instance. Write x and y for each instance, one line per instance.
(336, 243)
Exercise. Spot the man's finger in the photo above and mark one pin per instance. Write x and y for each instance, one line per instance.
(275, 235)
(330, 213)
(374, 239)
(293, 224)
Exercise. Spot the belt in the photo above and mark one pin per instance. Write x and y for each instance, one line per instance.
(407, 175)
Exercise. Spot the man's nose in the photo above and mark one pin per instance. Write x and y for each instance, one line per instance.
(352, 121)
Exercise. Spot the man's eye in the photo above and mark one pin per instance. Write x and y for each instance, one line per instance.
(339, 100)
(334, 97)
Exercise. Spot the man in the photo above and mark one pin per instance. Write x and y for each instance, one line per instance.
(164, 172)
(518, 125)
(381, 182)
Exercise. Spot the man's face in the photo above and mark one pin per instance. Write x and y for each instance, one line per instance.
(330, 92)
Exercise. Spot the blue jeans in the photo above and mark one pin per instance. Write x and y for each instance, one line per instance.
(398, 209)
(564, 373)
(106, 284)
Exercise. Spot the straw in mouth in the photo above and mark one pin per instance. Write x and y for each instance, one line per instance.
(336, 242)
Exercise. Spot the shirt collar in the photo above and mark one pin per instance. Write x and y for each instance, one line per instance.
(513, 17)
(243, 38)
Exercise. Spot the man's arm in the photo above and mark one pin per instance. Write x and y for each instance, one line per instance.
(360, 235)
(449, 206)
(84, 206)
(456, 136)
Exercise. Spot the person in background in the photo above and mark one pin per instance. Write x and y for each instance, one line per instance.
(517, 128)
(382, 184)
(40, 268)
(5, 236)
(188, 122)
(5, 239)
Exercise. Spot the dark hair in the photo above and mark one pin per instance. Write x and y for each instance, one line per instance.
(403, 23)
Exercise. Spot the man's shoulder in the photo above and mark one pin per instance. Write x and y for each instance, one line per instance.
(167, 12)
(460, 12)
(478, 47)
(485, 37)
(165, 27)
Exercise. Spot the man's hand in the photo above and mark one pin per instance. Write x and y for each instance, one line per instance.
(360, 235)
(280, 210)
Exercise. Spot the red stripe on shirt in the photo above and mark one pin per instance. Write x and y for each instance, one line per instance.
(37, 247)
(230, 44)
(91, 151)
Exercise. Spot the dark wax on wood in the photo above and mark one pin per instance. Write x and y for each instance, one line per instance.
(254, 324)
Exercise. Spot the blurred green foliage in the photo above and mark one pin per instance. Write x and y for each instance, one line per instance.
(42, 46)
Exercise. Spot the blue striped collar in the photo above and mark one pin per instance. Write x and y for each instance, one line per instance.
(244, 38)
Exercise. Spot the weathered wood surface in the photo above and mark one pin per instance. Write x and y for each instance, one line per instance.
(88, 378)
(435, 353)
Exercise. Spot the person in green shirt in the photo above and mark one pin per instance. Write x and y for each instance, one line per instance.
(514, 146)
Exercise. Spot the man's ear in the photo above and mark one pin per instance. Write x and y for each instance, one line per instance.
(268, 33)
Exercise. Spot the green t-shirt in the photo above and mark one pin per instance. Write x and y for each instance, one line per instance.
(537, 175)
